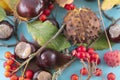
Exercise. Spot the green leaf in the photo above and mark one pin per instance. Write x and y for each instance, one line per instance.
(101, 43)
(42, 32)
(2, 14)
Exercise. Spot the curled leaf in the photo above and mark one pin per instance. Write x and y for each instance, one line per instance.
(42, 32)
(108, 4)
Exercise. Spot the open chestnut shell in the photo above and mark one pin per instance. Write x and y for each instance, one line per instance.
(24, 49)
(114, 32)
(6, 30)
(42, 75)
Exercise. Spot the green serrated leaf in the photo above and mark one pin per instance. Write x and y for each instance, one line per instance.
(2, 14)
(101, 43)
(42, 32)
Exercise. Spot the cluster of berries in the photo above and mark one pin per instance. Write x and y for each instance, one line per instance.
(11, 64)
(110, 76)
(46, 12)
(85, 54)
(89, 55)
(70, 6)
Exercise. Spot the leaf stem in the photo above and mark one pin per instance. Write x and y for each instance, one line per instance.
(104, 26)
(38, 52)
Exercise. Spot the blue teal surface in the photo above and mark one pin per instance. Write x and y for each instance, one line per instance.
(76, 66)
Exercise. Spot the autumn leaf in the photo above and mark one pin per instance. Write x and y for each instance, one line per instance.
(2, 14)
(8, 5)
(62, 3)
(4, 6)
(108, 4)
(42, 32)
(101, 43)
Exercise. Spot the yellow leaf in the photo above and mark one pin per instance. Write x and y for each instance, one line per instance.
(5, 6)
(11, 4)
(108, 4)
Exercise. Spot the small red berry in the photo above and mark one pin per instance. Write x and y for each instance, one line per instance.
(14, 77)
(69, 6)
(8, 55)
(72, 6)
(80, 55)
(98, 72)
(90, 50)
(87, 55)
(95, 56)
(7, 68)
(29, 74)
(43, 17)
(81, 49)
(46, 12)
(51, 6)
(7, 74)
(21, 78)
(83, 71)
(74, 77)
(111, 76)
(10, 62)
(14, 67)
(27, 79)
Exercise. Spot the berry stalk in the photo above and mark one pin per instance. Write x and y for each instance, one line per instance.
(100, 13)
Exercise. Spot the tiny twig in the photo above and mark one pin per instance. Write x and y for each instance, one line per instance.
(38, 52)
(104, 26)
(58, 73)
(25, 69)
(7, 45)
(89, 70)
(83, 63)
(16, 61)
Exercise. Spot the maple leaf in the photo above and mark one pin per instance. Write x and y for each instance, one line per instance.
(62, 3)
(108, 4)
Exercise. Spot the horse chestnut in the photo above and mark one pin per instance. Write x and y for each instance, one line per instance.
(24, 49)
(114, 32)
(50, 58)
(6, 30)
(30, 8)
(42, 75)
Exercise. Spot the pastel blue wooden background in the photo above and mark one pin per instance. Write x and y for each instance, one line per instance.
(76, 66)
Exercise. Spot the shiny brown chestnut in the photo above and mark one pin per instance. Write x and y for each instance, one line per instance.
(50, 58)
(42, 75)
(29, 8)
(6, 30)
(24, 49)
(114, 32)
